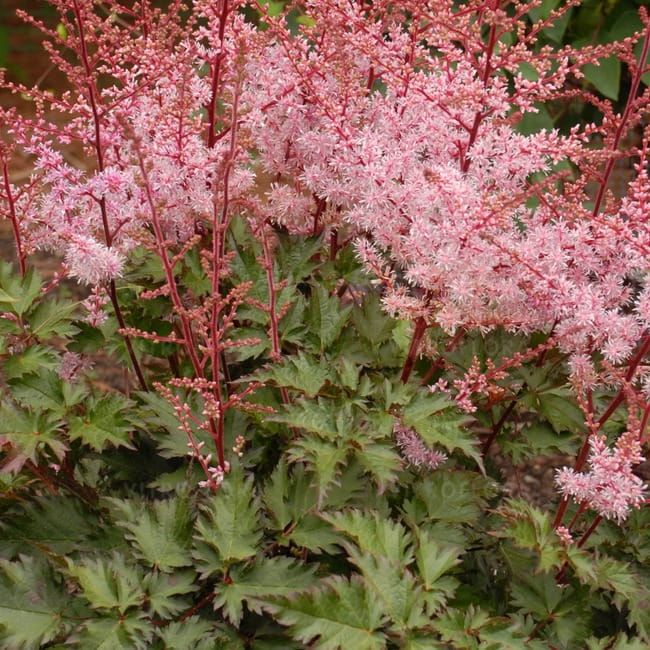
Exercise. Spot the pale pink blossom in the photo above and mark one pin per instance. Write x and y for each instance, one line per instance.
(414, 449)
(609, 486)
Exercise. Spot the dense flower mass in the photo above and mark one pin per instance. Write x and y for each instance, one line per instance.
(393, 127)
(610, 487)
(339, 282)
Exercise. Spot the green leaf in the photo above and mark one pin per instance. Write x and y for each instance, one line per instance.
(325, 458)
(108, 583)
(434, 559)
(163, 591)
(158, 413)
(192, 632)
(540, 120)
(104, 424)
(160, 530)
(452, 496)
(254, 585)
(316, 416)
(337, 613)
(439, 423)
(560, 409)
(53, 318)
(229, 523)
(301, 373)
(395, 590)
(55, 524)
(326, 316)
(531, 528)
(539, 595)
(314, 534)
(33, 359)
(374, 535)
(28, 433)
(17, 294)
(42, 391)
(606, 76)
(128, 632)
(289, 496)
(371, 322)
(382, 461)
(461, 627)
(34, 606)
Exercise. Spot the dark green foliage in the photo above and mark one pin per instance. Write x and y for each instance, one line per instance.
(322, 535)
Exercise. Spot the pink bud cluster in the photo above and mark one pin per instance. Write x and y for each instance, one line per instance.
(610, 486)
(414, 449)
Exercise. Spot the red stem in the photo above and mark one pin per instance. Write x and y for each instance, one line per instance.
(216, 428)
(582, 541)
(418, 334)
(636, 81)
(14, 221)
(216, 76)
(276, 348)
(478, 118)
(93, 97)
(614, 404)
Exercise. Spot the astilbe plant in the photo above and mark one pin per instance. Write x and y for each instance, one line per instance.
(340, 274)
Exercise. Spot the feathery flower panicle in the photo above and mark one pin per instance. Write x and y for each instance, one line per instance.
(72, 365)
(414, 449)
(610, 486)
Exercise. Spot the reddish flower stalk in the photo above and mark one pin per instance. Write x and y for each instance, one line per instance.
(93, 98)
(13, 217)
(419, 330)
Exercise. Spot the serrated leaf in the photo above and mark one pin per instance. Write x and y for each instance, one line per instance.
(539, 595)
(164, 591)
(129, 632)
(52, 318)
(450, 496)
(326, 316)
(373, 534)
(324, 458)
(461, 627)
(55, 524)
(104, 424)
(316, 416)
(229, 522)
(531, 528)
(395, 590)
(434, 559)
(158, 413)
(108, 582)
(18, 293)
(314, 534)
(255, 585)
(34, 606)
(41, 391)
(192, 632)
(28, 433)
(301, 372)
(338, 613)
(439, 423)
(382, 462)
(159, 530)
(371, 321)
(33, 359)
(289, 494)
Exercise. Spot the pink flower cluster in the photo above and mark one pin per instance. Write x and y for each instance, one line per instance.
(414, 449)
(610, 487)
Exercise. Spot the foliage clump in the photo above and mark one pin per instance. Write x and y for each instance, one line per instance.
(337, 267)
